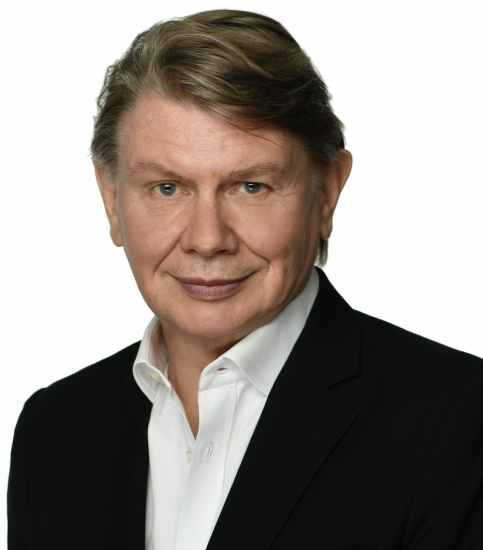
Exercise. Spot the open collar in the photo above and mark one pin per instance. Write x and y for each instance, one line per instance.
(313, 412)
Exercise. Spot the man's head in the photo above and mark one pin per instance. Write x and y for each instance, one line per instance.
(218, 157)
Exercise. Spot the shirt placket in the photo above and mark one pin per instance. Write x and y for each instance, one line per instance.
(204, 486)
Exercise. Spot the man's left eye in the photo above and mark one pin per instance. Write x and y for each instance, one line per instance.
(253, 187)
(167, 189)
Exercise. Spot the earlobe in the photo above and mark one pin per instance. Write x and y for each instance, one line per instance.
(108, 190)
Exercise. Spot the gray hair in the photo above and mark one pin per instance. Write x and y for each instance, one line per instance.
(240, 65)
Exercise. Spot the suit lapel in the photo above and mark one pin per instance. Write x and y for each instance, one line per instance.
(311, 406)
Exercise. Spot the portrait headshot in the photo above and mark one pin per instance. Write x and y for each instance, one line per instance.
(262, 326)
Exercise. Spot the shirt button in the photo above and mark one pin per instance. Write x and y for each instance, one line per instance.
(189, 456)
(154, 375)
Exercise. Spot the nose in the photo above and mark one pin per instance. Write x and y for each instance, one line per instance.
(208, 232)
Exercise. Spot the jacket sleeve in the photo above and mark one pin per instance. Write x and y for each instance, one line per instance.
(19, 512)
(453, 517)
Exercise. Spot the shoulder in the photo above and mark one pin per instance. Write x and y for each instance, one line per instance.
(84, 389)
(417, 372)
(381, 338)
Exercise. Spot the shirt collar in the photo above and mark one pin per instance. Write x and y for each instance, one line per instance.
(260, 355)
(151, 365)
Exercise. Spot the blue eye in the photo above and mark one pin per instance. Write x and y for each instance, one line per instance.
(167, 189)
(252, 187)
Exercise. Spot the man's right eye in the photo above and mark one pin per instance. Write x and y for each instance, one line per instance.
(166, 189)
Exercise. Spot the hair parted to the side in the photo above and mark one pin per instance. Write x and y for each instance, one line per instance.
(240, 65)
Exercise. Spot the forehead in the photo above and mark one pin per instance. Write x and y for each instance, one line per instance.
(160, 129)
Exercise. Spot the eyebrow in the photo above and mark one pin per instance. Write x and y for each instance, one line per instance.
(268, 167)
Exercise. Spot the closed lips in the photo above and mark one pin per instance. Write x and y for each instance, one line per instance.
(211, 282)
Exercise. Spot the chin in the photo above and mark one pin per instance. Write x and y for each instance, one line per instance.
(214, 328)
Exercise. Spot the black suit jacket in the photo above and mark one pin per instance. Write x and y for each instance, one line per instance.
(371, 438)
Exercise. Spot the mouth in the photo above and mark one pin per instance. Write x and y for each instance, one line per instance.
(211, 289)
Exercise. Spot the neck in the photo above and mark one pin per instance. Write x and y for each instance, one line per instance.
(187, 357)
(191, 354)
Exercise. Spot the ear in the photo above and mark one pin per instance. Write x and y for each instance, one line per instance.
(334, 177)
(108, 188)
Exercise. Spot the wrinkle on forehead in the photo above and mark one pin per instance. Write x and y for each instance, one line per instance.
(160, 128)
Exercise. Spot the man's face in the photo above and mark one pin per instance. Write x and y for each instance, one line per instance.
(197, 199)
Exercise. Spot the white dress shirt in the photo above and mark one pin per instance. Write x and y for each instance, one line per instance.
(189, 478)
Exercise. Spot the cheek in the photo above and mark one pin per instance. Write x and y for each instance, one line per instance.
(278, 232)
(148, 235)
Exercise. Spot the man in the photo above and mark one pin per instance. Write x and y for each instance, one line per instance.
(259, 410)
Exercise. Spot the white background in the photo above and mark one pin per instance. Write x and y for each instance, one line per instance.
(406, 80)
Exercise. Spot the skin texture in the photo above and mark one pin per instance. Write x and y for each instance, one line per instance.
(203, 221)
